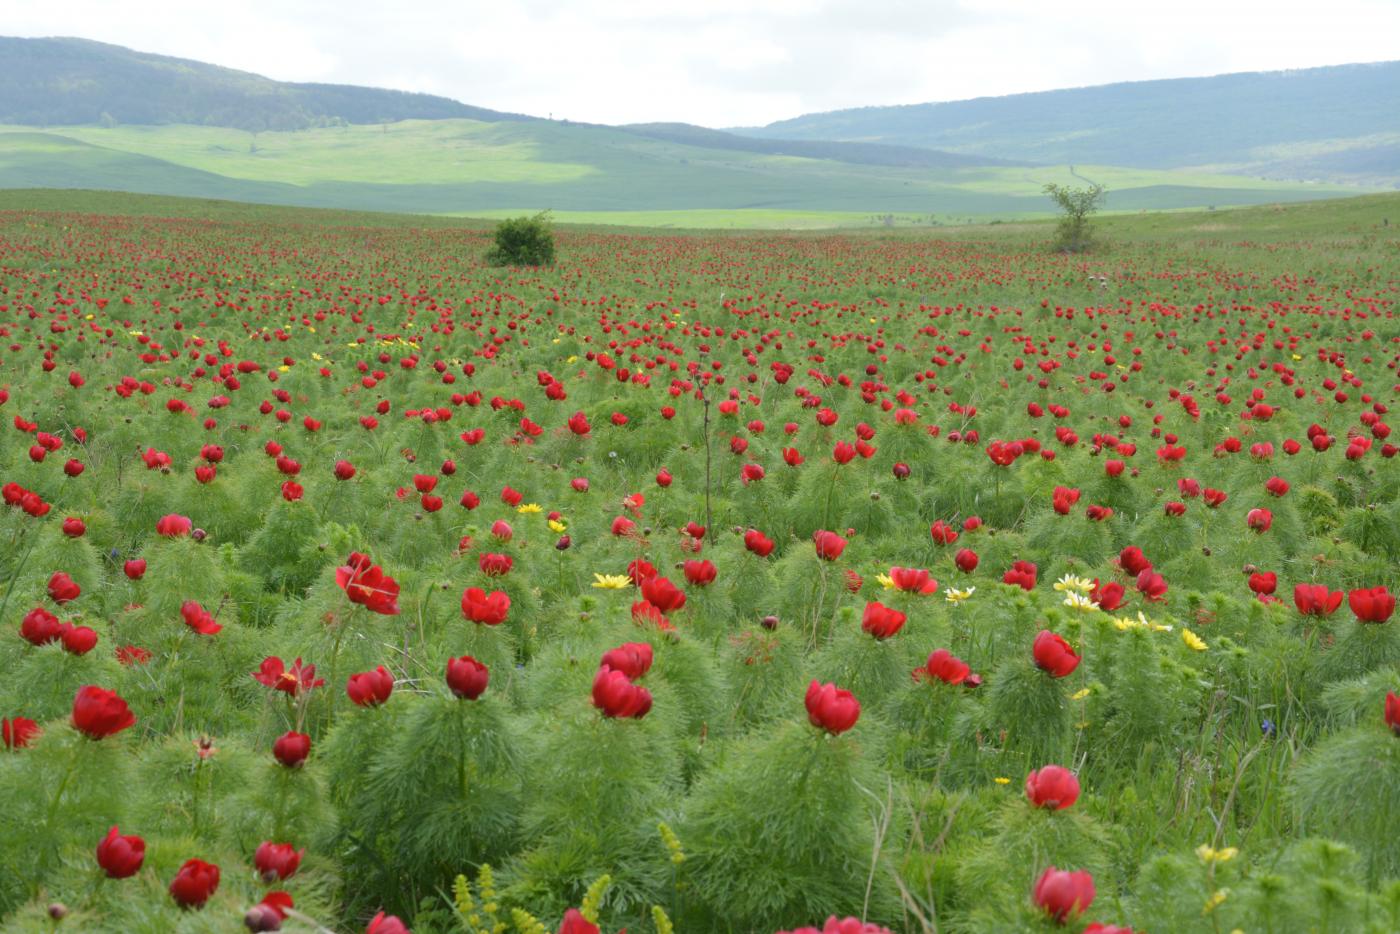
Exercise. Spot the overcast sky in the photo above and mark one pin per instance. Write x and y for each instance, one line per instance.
(726, 62)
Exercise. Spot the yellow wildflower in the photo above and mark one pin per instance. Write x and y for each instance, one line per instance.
(1002, 781)
(611, 581)
(1078, 601)
(527, 509)
(1071, 583)
(556, 526)
(1193, 642)
(1080, 694)
(886, 581)
(1214, 901)
(1209, 854)
(958, 596)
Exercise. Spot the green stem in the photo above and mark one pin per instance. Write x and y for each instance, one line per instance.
(14, 575)
(46, 835)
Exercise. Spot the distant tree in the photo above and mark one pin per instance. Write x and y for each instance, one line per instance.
(523, 241)
(1072, 234)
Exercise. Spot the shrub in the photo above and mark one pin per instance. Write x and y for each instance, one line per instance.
(523, 241)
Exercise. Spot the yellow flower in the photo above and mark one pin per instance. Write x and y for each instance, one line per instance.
(573, 358)
(886, 581)
(1124, 623)
(611, 581)
(1078, 601)
(526, 509)
(1080, 694)
(1193, 642)
(1070, 582)
(1214, 901)
(1209, 854)
(1002, 781)
(316, 356)
(556, 526)
(958, 596)
(284, 369)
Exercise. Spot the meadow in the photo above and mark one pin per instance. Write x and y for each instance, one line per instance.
(908, 580)
(592, 174)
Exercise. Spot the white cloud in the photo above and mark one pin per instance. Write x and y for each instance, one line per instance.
(725, 62)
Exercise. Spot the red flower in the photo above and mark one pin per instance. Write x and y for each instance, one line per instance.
(1132, 560)
(133, 655)
(1061, 894)
(1098, 927)
(276, 861)
(63, 588)
(199, 619)
(792, 457)
(268, 914)
(1372, 606)
(99, 713)
(631, 658)
(1263, 583)
(511, 497)
(16, 732)
(480, 607)
(120, 856)
(848, 925)
(1276, 485)
(1151, 585)
(751, 473)
(1259, 520)
(386, 924)
(700, 573)
(1108, 597)
(1316, 599)
(646, 614)
(135, 569)
(467, 677)
(73, 528)
(662, 594)
(1214, 498)
(344, 470)
(575, 923)
(78, 640)
(829, 545)
(913, 580)
(640, 570)
(966, 559)
(1064, 499)
(274, 674)
(1053, 654)
(370, 688)
(194, 884)
(40, 627)
(291, 749)
(616, 696)
(831, 708)
(1053, 787)
(881, 621)
(1392, 712)
(945, 667)
(173, 526)
(494, 565)
(758, 543)
(367, 584)
(943, 533)
(1022, 574)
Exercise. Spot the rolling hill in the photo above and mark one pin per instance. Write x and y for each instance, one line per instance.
(1339, 123)
(82, 115)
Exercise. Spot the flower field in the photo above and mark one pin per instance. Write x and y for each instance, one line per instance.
(696, 583)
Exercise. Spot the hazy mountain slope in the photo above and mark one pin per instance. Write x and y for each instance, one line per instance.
(1337, 121)
(54, 82)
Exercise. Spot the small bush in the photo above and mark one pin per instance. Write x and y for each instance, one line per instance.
(523, 241)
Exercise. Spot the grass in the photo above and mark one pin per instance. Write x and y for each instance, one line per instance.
(585, 173)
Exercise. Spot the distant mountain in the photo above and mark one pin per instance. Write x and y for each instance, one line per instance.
(1338, 123)
(854, 153)
(64, 82)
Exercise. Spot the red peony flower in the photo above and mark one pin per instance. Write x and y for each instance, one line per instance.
(830, 708)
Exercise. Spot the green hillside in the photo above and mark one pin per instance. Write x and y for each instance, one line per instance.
(45, 82)
(1339, 123)
(476, 167)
